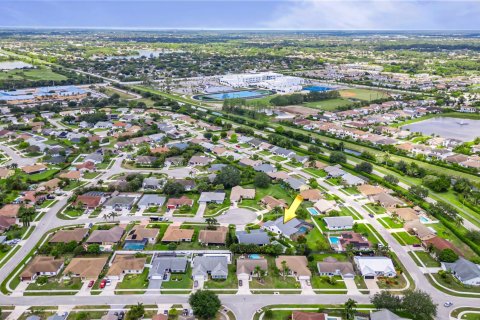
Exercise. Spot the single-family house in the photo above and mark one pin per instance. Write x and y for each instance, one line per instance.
(295, 266)
(257, 237)
(339, 223)
(238, 194)
(464, 270)
(42, 266)
(212, 197)
(151, 200)
(325, 206)
(174, 233)
(66, 236)
(271, 203)
(86, 268)
(213, 237)
(372, 267)
(162, 265)
(174, 203)
(247, 268)
(142, 233)
(214, 266)
(291, 229)
(125, 264)
(332, 267)
(106, 238)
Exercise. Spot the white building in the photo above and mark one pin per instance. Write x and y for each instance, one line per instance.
(247, 79)
(372, 267)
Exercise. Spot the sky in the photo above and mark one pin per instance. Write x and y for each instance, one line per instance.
(244, 14)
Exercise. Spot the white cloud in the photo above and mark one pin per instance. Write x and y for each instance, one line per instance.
(376, 14)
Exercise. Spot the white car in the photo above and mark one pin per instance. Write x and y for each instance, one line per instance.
(448, 304)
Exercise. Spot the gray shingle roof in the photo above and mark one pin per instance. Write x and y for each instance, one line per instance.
(258, 237)
(217, 266)
(152, 199)
(212, 196)
(338, 222)
(464, 269)
(161, 264)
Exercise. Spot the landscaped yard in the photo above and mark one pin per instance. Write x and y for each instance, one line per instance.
(274, 190)
(179, 281)
(316, 241)
(316, 172)
(278, 158)
(390, 223)
(73, 212)
(451, 282)
(366, 229)
(230, 283)
(74, 284)
(90, 175)
(426, 258)
(397, 282)
(273, 280)
(404, 238)
(375, 208)
(134, 281)
(45, 175)
(319, 282)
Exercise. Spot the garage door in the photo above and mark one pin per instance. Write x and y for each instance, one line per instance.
(369, 277)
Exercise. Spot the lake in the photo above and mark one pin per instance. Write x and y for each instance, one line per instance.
(447, 127)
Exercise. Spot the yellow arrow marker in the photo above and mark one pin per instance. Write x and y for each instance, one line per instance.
(290, 212)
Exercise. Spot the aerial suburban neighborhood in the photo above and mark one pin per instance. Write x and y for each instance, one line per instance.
(239, 175)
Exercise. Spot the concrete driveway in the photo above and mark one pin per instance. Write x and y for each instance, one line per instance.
(351, 286)
(372, 285)
(245, 287)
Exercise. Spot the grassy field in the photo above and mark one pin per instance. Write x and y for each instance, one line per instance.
(363, 94)
(328, 105)
(426, 258)
(32, 75)
(110, 90)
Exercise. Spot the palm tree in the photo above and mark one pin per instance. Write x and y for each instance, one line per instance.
(106, 216)
(257, 271)
(458, 220)
(349, 309)
(285, 269)
(113, 214)
(211, 222)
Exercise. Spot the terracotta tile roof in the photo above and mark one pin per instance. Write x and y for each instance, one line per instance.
(122, 263)
(89, 268)
(175, 234)
(65, 236)
(213, 236)
(10, 210)
(42, 264)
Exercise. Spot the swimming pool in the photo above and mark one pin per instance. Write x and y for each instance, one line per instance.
(302, 230)
(313, 211)
(241, 94)
(334, 240)
(317, 88)
(134, 245)
(425, 220)
(254, 256)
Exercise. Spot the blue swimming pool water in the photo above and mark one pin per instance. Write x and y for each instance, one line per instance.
(334, 240)
(424, 220)
(235, 94)
(134, 246)
(313, 211)
(302, 230)
(317, 88)
(255, 256)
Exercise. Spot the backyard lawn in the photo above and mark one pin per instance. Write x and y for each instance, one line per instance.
(316, 172)
(90, 175)
(316, 241)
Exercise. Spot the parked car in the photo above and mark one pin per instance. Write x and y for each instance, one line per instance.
(108, 282)
(103, 283)
(91, 283)
(195, 284)
(371, 215)
(240, 283)
(448, 304)
(121, 315)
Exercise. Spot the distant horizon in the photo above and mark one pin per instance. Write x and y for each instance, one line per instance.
(100, 28)
(284, 15)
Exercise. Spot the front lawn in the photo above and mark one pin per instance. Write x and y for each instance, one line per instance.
(73, 212)
(318, 173)
(278, 158)
(449, 281)
(404, 238)
(426, 258)
(390, 223)
(74, 284)
(324, 282)
(179, 281)
(397, 282)
(230, 283)
(90, 175)
(273, 279)
(375, 208)
(134, 281)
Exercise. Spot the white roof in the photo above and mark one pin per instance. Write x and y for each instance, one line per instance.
(324, 205)
(373, 265)
(337, 222)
